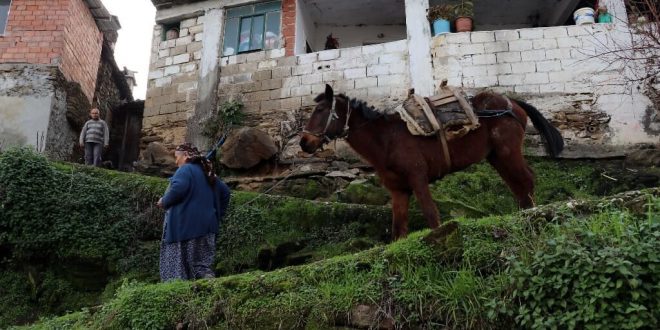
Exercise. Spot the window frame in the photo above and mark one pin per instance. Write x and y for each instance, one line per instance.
(167, 26)
(240, 20)
(3, 25)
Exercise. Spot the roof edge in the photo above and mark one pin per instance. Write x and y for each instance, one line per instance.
(104, 20)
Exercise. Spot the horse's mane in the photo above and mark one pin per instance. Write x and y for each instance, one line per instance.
(368, 112)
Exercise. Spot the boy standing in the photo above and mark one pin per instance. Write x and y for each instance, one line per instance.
(94, 137)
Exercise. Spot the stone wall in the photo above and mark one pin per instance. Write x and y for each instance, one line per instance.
(41, 108)
(557, 70)
(26, 97)
(33, 109)
(173, 80)
(62, 139)
(274, 87)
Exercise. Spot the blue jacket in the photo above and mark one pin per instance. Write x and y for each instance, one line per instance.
(193, 208)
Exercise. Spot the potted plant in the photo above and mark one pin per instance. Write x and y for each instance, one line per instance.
(440, 16)
(464, 11)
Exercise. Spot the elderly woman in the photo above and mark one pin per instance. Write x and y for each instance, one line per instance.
(196, 201)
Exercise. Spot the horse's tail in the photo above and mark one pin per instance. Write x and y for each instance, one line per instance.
(554, 143)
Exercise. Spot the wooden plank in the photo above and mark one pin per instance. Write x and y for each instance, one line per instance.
(428, 112)
(443, 94)
(444, 101)
(465, 105)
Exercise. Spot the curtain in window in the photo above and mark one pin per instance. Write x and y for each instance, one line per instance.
(251, 28)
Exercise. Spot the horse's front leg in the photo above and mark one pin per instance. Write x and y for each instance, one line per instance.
(400, 201)
(426, 202)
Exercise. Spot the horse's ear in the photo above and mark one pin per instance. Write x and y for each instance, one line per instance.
(329, 93)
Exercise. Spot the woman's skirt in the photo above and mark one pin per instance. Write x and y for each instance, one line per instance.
(187, 260)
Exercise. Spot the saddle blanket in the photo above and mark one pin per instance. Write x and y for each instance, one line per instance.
(447, 112)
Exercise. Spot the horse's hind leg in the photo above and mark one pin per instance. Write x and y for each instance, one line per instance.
(400, 202)
(514, 170)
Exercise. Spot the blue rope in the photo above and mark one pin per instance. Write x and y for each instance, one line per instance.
(494, 113)
(211, 154)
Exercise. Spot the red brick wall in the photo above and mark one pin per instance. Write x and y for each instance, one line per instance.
(289, 25)
(58, 32)
(35, 32)
(83, 43)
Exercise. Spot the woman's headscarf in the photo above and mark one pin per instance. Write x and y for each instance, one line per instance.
(190, 149)
(195, 157)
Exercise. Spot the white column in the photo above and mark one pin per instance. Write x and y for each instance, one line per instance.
(211, 37)
(617, 8)
(208, 75)
(419, 47)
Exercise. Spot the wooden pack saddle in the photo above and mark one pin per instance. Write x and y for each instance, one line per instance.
(447, 113)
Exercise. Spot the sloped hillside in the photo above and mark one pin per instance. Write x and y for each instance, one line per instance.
(74, 238)
(582, 264)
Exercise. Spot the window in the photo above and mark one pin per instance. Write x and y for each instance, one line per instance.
(4, 14)
(252, 28)
(170, 31)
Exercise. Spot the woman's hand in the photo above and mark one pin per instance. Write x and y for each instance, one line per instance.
(160, 203)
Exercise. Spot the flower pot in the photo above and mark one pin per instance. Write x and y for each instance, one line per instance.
(604, 18)
(464, 24)
(584, 15)
(441, 26)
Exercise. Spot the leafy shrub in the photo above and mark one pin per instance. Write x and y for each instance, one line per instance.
(60, 235)
(229, 114)
(46, 214)
(592, 281)
(15, 293)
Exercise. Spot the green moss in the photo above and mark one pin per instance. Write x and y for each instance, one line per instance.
(420, 282)
(74, 321)
(367, 192)
(408, 280)
(482, 189)
(65, 215)
(30, 292)
(16, 291)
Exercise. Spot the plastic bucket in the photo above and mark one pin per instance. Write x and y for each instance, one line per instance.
(584, 15)
(441, 26)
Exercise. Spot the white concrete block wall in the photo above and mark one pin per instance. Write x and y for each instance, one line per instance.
(551, 61)
(269, 83)
(173, 81)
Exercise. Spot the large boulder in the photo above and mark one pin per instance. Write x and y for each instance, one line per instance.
(156, 159)
(156, 153)
(246, 148)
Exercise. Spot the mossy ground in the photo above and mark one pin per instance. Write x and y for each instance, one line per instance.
(412, 283)
(261, 232)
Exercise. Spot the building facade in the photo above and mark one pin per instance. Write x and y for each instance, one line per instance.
(56, 62)
(270, 55)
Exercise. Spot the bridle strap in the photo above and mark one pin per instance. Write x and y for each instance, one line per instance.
(332, 116)
(349, 110)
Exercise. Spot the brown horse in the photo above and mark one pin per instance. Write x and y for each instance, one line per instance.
(406, 163)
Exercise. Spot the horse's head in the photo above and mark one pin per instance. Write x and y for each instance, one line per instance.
(329, 121)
